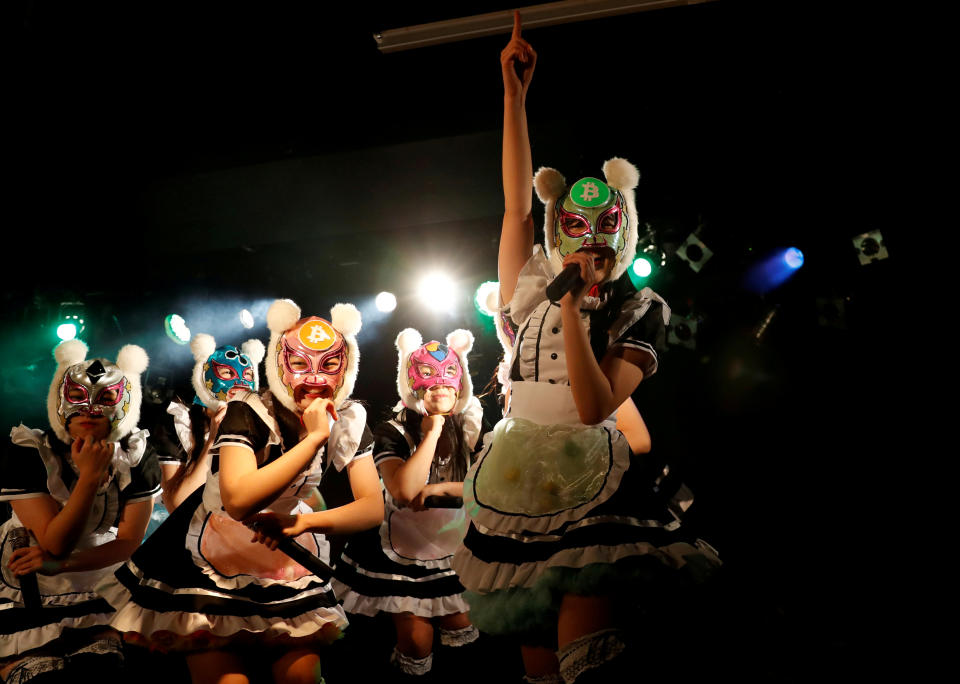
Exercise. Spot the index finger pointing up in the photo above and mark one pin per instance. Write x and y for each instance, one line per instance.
(516, 23)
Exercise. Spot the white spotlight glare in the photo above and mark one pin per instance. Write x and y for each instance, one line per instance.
(486, 297)
(386, 302)
(437, 292)
(246, 318)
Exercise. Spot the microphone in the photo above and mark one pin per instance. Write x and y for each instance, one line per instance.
(20, 539)
(443, 501)
(299, 553)
(568, 279)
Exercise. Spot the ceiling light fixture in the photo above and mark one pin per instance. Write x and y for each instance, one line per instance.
(534, 16)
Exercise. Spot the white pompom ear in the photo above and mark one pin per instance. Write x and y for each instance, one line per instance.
(621, 174)
(346, 318)
(461, 341)
(70, 352)
(282, 314)
(408, 340)
(132, 359)
(202, 346)
(254, 350)
(549, 184)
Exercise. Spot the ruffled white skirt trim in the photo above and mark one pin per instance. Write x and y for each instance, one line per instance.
(482, 577)
(359, 604)
(27, 640)
(131, 617)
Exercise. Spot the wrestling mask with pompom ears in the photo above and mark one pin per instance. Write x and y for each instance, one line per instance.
(422, 366)
(590, 214)
(97, 387)
(223, 372)
(312, 357)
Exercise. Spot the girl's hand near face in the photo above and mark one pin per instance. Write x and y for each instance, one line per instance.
(92, 458)
(430, 424)
(316, 418)
(588, 275)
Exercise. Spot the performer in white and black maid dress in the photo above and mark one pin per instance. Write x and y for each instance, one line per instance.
(198, 584)
(563, 529)
(84, 489)
(423, 451)
(219, 373)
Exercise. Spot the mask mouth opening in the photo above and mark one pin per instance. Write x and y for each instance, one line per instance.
(600, 254)
(237, 390)
(312, 392)
(85, 417)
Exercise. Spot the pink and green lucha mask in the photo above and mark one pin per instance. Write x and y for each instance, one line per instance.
(590, 214)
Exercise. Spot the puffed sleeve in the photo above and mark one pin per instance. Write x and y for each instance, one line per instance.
(642, 326)
(22, 473)
(349, 436)
(241, 426)
(172, 437)
(531, 288)
(144, 479)
(390, 442)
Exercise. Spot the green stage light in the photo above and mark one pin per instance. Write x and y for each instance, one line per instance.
(176, 328)
(70, 320)
(639, 271)
(642, 267)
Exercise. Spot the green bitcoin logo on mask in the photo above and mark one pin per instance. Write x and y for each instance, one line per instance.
(590, 192)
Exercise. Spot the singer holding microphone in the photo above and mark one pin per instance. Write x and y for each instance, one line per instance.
(563, 526)
(81, 495)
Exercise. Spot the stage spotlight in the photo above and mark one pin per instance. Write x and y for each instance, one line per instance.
(694, 252)
(246, 318)
(386, 302)
(177, 329)
(774, 269)
(793, 258)
(70, 320)
(639, 271)
(437, 292)
(870, 247)
(682, 332)
(487, 297)
(66, 331)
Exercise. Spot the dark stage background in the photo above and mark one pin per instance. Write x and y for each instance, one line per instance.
(200, 158)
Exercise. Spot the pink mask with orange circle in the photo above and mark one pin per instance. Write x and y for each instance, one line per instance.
(312, 354)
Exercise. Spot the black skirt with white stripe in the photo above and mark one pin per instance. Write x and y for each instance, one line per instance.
(199, 582)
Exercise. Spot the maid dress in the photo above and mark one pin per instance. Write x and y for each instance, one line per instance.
(556, 506)
(404, 565)
(37, 464)
(199, 583)
(173, 441)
